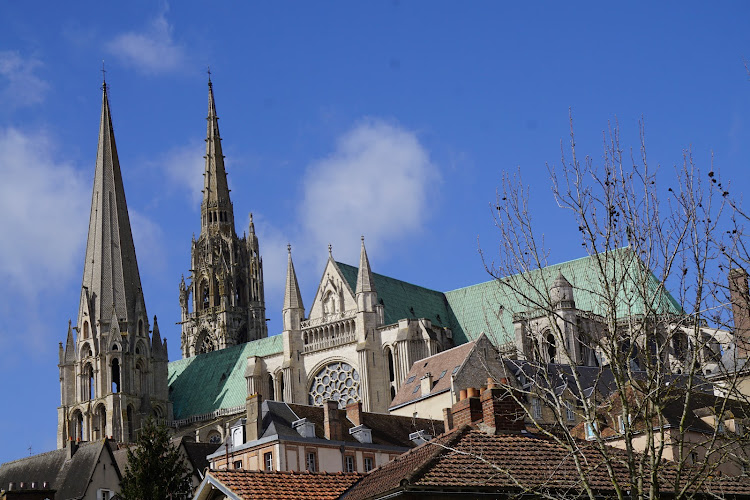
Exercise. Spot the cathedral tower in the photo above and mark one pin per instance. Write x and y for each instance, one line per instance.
(223, 305)
(112, 374)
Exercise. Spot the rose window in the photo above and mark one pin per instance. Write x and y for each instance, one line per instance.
(336, 381)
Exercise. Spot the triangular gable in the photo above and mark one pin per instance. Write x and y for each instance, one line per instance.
(335, 293)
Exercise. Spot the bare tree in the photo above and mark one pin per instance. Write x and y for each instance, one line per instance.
(614, 352)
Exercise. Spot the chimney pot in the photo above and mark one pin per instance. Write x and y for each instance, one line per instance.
(472, 392)
(462, 394)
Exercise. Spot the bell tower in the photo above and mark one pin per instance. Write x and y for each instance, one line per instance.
(223, 304)
(112, 373)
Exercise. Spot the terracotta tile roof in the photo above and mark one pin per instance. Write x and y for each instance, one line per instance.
(468, 459)
(257, 485)
(444, 362)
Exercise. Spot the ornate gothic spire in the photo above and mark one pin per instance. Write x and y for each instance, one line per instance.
(110, 275)
(292, 296)
(364, 276)
(216, 207)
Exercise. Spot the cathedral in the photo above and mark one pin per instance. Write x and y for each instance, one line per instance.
(356, 340)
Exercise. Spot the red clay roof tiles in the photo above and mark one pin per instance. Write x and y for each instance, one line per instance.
(261, 485)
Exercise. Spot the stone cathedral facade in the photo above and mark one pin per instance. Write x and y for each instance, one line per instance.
(355, 341)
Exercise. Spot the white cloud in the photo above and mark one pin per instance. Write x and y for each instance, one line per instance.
(152, 50)
(44, 203)
(22, 86)
(184, 167)
(148, 239)
(377, 183)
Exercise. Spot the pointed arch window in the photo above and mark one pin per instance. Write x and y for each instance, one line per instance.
(88, 382)
(85, 329)
(205, 304)
(76, 424)
(391, 366)
(270, 388)
(101, 417)
(115, 376)
(551, 347)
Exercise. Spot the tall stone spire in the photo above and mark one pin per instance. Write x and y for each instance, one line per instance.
(216, 207)
(292, 296)
(226, 273)
(110, 274)
(111, 380)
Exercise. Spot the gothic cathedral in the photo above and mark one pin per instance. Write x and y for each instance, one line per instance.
(226, 281)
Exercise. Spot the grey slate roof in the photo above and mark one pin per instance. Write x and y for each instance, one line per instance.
(69, 477)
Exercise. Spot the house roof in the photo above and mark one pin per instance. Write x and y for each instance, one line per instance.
(387, 430)
(220, 375)
(468, 459)
(69, 477)
(441, 366)
(700, 404)
(276, 485)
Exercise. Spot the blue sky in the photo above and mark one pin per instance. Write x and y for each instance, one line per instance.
(428, 103)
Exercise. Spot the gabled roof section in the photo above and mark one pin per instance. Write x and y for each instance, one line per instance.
(469, 460)
(220, 375)
(69, 477)
(110, 272)
(489, 307)
(401, 299)
(441, 366)
(247, 485)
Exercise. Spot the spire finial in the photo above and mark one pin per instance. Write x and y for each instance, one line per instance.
(208, 70)
(330, 250)
(289, 248)
(362, 238)
(104, 77)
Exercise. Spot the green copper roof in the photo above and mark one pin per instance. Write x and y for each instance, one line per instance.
(207, 382)
(403, 300)
(489, 307)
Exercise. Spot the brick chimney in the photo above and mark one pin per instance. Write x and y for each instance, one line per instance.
(467, 410)
(354, 413)
(334, 428)
(447, 419)
(254, 421)
(738, 294)
(500, 411)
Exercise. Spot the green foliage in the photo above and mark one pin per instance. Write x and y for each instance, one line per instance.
(156, 469)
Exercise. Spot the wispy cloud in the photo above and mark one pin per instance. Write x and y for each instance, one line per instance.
(45, 205)
(148, 239)
(152, 50)
(184, 166)
(376, 182)
(20, 85)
